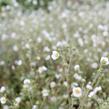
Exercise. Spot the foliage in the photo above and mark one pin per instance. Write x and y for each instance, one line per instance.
(26, 4)
(34, 4)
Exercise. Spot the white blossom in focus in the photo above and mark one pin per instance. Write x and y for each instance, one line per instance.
(42, 69)
(45, 92)
(3, 100)
(77, 92)
(2, 89)
(52, 84)
(55, 55)
(104, 61)
(76, 67)
(18, 100)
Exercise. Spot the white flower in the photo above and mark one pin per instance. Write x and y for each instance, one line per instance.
(65, 83)
(61, 43)
(3, 100)
(2, 63)
(13, 67)
(91, 94)
(18, 62)
(55, 55)
(5, 107)
(42, 69)
(18, 100)
(94, 65)
(35, 2)
(77, 92)
(76, 67)
(46, 49)
(52, 84)
(45, 92)
(22, 23)
(104, 61)
(34, 107)
(26, 81)
(57, 76)
(77, 77)
(39, 39)
(15, 48)
(89, 86)
(98, 89)
(80, 42)
(38, 58)
(2, 89)
(47, 57)
(33, 63)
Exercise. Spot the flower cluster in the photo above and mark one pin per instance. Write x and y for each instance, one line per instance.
(57, 59)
